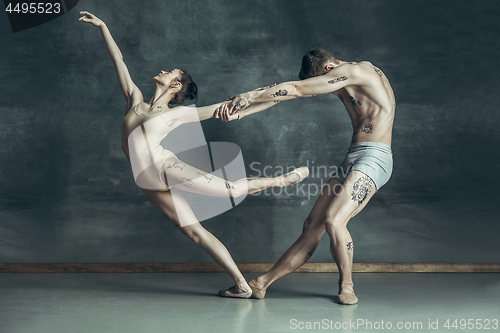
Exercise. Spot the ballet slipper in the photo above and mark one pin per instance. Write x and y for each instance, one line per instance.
(346, 294)
(256, 291)
(235, 292)
(302, 172)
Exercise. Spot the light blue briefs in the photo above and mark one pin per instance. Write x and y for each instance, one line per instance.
(374, 159)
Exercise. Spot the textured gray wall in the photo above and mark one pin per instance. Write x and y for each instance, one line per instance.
(66, 189)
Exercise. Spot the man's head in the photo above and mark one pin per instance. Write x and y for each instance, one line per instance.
(317, 62)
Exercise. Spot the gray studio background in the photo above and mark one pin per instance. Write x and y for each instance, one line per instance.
(66, 189)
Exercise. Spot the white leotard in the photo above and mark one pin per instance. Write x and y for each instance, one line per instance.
(147, 155)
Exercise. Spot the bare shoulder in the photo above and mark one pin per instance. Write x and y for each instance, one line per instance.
(371, 68)
(350, 69)
(367, 73)
(368, 68)
(134, 100)
(365, 63)
(351, 73)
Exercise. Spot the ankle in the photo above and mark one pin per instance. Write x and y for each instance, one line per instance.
(346, 287)
(261, 283)
(241, 283)
(346, 283)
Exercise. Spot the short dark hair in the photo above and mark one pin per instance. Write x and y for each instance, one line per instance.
(189, 89)
(314, 62)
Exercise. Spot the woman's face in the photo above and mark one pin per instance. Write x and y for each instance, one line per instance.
(165, 78)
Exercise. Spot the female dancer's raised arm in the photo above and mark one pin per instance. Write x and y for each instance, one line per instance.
(130, 91)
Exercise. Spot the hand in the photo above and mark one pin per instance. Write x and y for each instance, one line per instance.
(238, 103)
(91, 18)
(242, 101)
(222, 112)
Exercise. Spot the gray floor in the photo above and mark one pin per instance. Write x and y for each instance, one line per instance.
(186, 302)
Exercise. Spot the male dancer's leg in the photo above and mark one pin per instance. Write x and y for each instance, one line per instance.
(358, 190)
(336, 205)
(304, 247)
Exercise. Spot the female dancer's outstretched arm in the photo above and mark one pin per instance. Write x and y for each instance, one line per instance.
(207, 112)
(130, 91)
(210, 111)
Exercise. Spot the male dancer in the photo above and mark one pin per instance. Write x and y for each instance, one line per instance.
(369, 100)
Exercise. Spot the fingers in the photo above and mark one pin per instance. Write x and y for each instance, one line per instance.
(235, 116)
(87, 14)
(220, 112)
(232, 111)
(217, 113)
(234, 108)
(228, 111)
(224, 115)
(227, 114)
(88, 17)
(229, 108)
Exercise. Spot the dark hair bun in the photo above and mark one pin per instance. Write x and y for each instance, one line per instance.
(189, 89)
(194, 91)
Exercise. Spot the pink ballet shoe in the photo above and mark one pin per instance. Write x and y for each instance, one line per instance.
(256, 291)
(346, 294)
(235, 292)
(302, 172)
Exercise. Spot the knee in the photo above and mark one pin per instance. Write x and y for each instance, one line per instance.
(192, 233)
(307, 224)
(312, 224)
(334, 224)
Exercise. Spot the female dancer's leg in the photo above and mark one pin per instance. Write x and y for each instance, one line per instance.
(190, 179)
(181, 210)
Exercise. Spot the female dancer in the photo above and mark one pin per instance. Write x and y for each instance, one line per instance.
(156, 170)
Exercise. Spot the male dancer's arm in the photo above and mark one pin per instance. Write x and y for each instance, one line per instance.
(337, 78)
(130, 91)
(207, 112)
